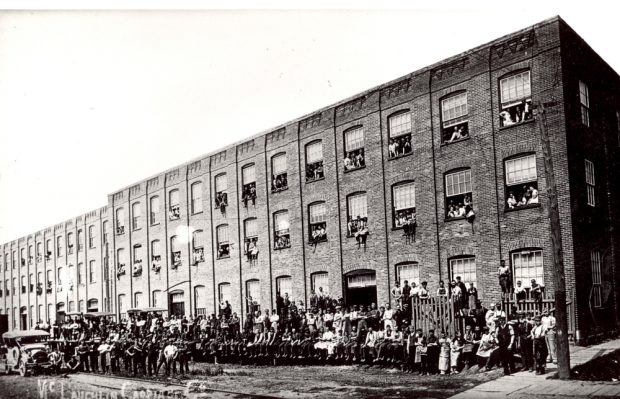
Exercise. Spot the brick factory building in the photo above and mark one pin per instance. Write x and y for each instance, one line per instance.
(325, 200)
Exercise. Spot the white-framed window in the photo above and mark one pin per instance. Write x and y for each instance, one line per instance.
(154, 209)
(136, 214)
(252, 291)
(92, 305)
(362, 280)
(404, 203)
(357, 209)
(120, 221)
(528, 266)
(279, 178)
(80, 276)
(137, 300)
(250, 231)
(464, 268)
(458, 193)
(281, 226)
(92, 273)
(104, 229)
(221, 196)
(314, 161)
(584, 98)
(516, 98)
(521, 181)
(224, 292)
(317, 215)
(354, 149)
(156, 255)
(399, 130)
(595, 262)
(590, 183)
(223, 245)
(248, 178)
(71, 306)
(320, 282)
(284, 285)
(198, 245)
(81, 307)
(122, 304)
(200, 300)
(409, 272)
(454, 118)
(120, 259)
(157, 298)
(196, 192)
(174, 209)
(70, 245)
(175, 251)
(91, 237)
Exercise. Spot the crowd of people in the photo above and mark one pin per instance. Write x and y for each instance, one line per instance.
(249, 194)
(528, 196)
(517, 113)
(358, 228)
(399, 146)
(461, 209)
(314, 172)
(354, 159)
(279, 183)
(328, 331)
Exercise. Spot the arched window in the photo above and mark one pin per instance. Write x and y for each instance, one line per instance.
(357, 212)
(284, 287)
(527, 265)
(253, 295)
(515, 98)
(454, 117)
(71, 306)
(221, 196)
(92, 273)
(200, 300)
(198, 246)
(175, 249)
(157, 298)
(320, 282)
(223, 245)
(459, 198)
(317, 217)
(120, 262)
(521, 181)
(91, 236)
(81, 308)
(248, 178)
(465, 268)
(154, 209)
(408, 271)
(93, 305)
(314, 161)
(196, 192)
(80, 276)
(156, 255)
(354, 155)
(120, 221)
(174, 208)
(136, 216)
(224, 292)
(80, 240)
(51, 315)
(281, 226)
(122, 306)
(399, 130)
(250, 231)
(137, 301)
(404, 209)
(70, 243)
(279, 177)
(138, 255)
(104, 228)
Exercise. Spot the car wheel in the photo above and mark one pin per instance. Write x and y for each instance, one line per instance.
(7, 369)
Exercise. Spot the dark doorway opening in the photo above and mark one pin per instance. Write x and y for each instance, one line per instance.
(361, 287)
(177, 303)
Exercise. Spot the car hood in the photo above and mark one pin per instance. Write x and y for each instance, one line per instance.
(34, 347)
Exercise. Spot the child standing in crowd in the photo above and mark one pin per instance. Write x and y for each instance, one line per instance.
(444, 354)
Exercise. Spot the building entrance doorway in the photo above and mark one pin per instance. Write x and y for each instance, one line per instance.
(361, 287)
(177, 303)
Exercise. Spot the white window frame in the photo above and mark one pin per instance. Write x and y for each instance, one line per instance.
(314, 152)
(224, 291)
(454, 110)
(590, 183)
(284, 284)
(521, 170)
(584, 100)
(360, 208)
(248, 174)
(400, 124)
(354, 139)
(465, 268)
(409, 271)
(250, 228)
(404, 196)
(318, 279)
(514, 88)
(536, 264)
(196, 195)
(463, 177)
(221, 183)
(279, 164)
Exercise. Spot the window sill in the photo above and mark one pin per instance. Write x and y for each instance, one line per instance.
(400, 156)
(447, 219)
(315, 180)
(317, 242)
(196, 213)
(155, 224)
(279, 190)
(447, 143)
(223, 257)
(353, 236)
(281, 248)
(518, 208)
(137, 228)
(517, 124)
(354, 169)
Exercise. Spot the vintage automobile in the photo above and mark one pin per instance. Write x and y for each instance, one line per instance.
(25, 351)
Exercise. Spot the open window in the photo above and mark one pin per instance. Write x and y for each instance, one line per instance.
(465, 268)
(279, 176)
(403, 195)
(250, 228)
(281, 226)
(314, 161)
(175, 255)
(120, 221)
(317, 213)
(248, 176)
(196, 192)
(454, 118)
(399, 129)
(527, 265)
(223, 245)
(354, 156)
(521, 181)
(516, 99)
(458, 194)
(221, 195)
(156, 255)
(137, 260)
(154, 209)
(120, 263)
(136, 216)
(198, 247)
(174, 207)
(357, 214)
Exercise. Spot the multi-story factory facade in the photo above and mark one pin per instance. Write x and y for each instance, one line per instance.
(329, 200)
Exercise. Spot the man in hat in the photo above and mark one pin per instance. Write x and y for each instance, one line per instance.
(524, 331)
(540, 345)
(505, 339)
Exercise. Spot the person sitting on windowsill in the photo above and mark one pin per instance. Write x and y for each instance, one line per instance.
(460, 211)
(452, 212)
(505, 118)
(511, 201)
(534, 196)
(456, 135)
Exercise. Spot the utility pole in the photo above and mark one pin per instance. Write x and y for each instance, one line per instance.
(559, 282)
